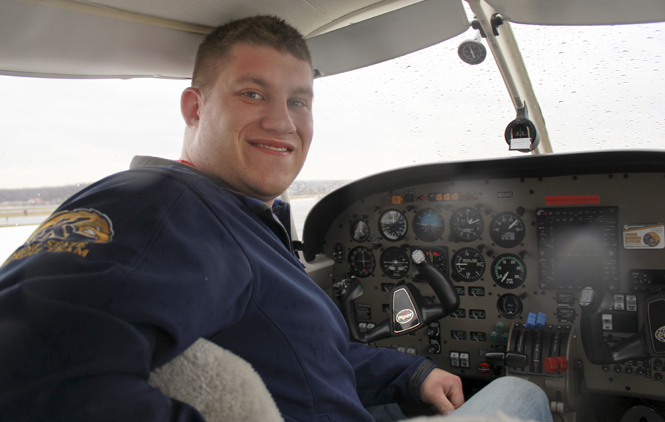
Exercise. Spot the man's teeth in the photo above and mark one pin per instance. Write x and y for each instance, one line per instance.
(273, 148)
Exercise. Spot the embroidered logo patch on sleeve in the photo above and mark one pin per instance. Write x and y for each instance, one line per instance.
(67, 231)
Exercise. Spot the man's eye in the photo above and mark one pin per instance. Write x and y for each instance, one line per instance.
(297, 103)
(252, 94)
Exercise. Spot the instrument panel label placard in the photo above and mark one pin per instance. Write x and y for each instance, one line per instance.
(644, 236)
(573, 200)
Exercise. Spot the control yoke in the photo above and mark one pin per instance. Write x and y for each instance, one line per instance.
(649, 341)
(408, 308)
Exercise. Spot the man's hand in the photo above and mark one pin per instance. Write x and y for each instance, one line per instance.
(442, 390)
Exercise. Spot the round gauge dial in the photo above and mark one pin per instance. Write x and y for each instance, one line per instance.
(467, 224)
(472, 52)
(393, 225)
(428, 225)
(361, 261)
(509, 271)
(510, 306)
(359, 230)
(395, 263)
(438, 257)
(507, 230)
(468, 264)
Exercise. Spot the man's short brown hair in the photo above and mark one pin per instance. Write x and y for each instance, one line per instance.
(269, 31)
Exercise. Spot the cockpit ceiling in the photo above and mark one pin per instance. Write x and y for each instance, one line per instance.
(580, 12)
(158, 38)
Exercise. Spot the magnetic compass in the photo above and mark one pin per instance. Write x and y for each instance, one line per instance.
(472, 52)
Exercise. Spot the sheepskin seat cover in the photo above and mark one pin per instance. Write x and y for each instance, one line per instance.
(220, 385)
(224, 388)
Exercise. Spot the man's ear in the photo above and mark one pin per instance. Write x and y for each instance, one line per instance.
(191, 102)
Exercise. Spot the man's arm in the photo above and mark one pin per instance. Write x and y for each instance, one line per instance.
(383, 375)
(83, 323)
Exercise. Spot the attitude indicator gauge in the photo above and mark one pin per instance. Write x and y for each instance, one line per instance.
(395, 263)
(393, 225)
(507, 230)
(510, 306)
(360, 230)
(361, 261)
(428, 225)
(468, 265)
(508, 271)
(467, 224)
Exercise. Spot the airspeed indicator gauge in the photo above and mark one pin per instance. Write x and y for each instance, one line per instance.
(393, 225)
(428, 225)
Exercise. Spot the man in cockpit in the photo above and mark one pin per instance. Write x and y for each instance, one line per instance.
(201, 248)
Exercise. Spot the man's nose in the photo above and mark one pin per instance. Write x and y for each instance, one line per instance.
(278, 119)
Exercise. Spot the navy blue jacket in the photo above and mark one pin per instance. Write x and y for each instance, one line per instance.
(132, 270)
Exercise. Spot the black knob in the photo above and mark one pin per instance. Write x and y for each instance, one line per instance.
(658, 376)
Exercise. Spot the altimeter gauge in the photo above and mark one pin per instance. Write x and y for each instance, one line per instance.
(467, 224)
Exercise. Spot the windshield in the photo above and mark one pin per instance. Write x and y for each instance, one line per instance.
(598, 88)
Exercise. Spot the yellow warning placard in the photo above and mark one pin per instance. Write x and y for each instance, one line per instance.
(644, 236)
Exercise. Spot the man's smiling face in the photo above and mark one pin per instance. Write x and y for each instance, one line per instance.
(254, 127)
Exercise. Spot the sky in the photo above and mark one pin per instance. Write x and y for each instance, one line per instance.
(599, 88)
